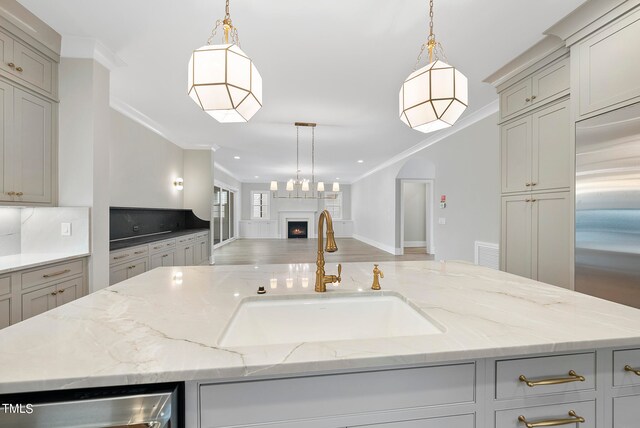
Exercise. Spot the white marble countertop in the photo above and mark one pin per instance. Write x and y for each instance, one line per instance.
(157, 328)
(16, 262)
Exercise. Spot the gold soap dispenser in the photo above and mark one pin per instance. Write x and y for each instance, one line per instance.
(377, 274)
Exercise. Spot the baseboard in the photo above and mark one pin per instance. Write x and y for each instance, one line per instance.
(388, 248)
(415, 244)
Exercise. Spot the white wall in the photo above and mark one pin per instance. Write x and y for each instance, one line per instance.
(84, 146)
(197, 176)
(143, 166)
(466, 167)
(9, 231)
(415, 212)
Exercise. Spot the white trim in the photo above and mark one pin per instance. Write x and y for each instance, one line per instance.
(469, 120)
(429, 212)
(267, 205)
(490, 245)
(86, 47)
(388, 248)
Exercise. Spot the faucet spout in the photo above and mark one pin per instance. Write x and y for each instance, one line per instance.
(321, 279)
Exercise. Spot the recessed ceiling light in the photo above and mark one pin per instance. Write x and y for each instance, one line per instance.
(360, 161)
(255, 176)
(337, 178)
(236, 157)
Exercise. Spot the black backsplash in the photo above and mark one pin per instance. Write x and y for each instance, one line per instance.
(131, 222)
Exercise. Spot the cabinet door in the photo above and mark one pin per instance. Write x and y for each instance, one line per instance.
(551, 236)
(6, 135)
(32, 67)
(6, 52)
(184, 256)
(515, 98)
(609, 62)
(38, 301)
(32, 148)
(550, 82)
(69, 291)
(625, 411)
(5, 310)
(156, 260)
(168, 259)
(551, 165)
(516, 235)
(118, 273)
(136, 268)
(515, 147)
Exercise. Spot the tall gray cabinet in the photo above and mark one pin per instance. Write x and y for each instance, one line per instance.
(29, 55)
(536, 172)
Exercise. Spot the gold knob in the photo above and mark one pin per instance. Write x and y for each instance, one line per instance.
(527, 200)
(19, 69)
(54, 293)
(11, 65)
(533, 97)
(533, 200)
(527, 99)
(11, 193)
(61, 291)
(19, 194)
(533, 184)
(527, 184)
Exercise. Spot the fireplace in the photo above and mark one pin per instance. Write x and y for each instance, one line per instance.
(297, 229)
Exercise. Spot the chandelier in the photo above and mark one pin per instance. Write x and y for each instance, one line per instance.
(435, 96)
(223, 80)
(298, 188)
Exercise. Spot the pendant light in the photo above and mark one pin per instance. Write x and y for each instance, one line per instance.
(223, 80)
(435, 96)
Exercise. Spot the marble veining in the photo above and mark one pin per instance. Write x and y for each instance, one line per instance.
(9, 231)
(165, 325)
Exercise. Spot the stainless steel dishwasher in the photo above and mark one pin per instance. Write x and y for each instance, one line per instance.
(131, 407)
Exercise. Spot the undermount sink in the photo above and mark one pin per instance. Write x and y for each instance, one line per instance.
(271, 321)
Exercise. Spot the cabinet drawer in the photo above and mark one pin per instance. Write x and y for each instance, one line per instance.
(33, 67)
(625, 411)
(556, 412)
(127, 254)
(270, 401)
(508, 372)
(622, 377)
(515, 98)
(51, 273)
(155, 247)
(550, 82)
(5, 285)
(459, 421)
(186, 239)
(202, 235)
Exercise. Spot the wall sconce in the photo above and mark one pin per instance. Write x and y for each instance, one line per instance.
(178, 183)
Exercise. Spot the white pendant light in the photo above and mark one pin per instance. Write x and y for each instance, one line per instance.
(435, 96)
(336, 187)
(305, 185)
(274, 186)
(290, 186)
(223, 80)
(320, 186)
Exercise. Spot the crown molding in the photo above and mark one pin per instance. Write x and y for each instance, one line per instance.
(86, 47)
(226, 171)
(469, 120)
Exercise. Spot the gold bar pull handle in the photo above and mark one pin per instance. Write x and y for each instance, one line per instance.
(62, 272)
(628, 368)
(573, 377)
(572, 419)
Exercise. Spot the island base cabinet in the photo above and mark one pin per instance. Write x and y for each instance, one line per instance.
(44, 299)
(5, 311)
(626, 412)
(128, 270)
(461, 421)
(553, 415)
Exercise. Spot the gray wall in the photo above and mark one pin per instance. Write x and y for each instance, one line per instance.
(465, 166)
(198, 191)
(415, 213)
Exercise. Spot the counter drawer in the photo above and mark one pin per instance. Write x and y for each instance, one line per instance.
(51, 273)
(155, 247)
(126, 254)
(460, 421)
(628, 357)
(186, 239)
(508, 373)
(5, 285)
(584, 409)
(625, 411)
(271, 401)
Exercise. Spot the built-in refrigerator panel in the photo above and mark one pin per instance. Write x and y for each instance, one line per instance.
(607, 236)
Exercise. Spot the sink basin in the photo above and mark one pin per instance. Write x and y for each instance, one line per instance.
(270, 321)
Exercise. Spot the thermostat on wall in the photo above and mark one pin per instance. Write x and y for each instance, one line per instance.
(443, 201)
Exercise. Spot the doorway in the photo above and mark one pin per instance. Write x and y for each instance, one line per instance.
(416, 214)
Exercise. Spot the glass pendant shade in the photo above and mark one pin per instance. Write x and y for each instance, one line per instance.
(320, 186)
(433, 97)
(290, 186)
(336, 187)
(305, 186)
(274, 186)
(225, 83)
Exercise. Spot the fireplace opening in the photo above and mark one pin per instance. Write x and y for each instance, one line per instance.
(296, 229)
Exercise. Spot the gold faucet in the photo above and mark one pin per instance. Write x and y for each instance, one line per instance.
(321, 279)
(377, 274)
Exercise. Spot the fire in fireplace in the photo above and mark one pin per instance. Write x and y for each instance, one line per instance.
(296, 229)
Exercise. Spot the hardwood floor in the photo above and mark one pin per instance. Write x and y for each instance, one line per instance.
(278, 251)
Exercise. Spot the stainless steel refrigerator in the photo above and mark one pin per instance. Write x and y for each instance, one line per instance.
(607, 235)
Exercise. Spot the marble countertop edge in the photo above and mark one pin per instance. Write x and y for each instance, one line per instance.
(18, 262)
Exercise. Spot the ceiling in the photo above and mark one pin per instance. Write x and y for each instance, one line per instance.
(335, 62)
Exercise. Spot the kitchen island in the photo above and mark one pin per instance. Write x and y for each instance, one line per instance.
(507, 347)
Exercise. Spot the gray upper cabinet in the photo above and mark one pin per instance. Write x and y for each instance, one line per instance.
(609, 61)
(516, 155)
(545, 85)
(6, 135)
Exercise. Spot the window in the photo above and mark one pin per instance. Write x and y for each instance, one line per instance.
(334, 206)
(260, 205)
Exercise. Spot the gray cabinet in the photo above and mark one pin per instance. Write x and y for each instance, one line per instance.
(6, 135)
(6, 301)
(184, 256)
(162, 259)
(38, 301)
(516, 155)
(128, 270)
(536, 237)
